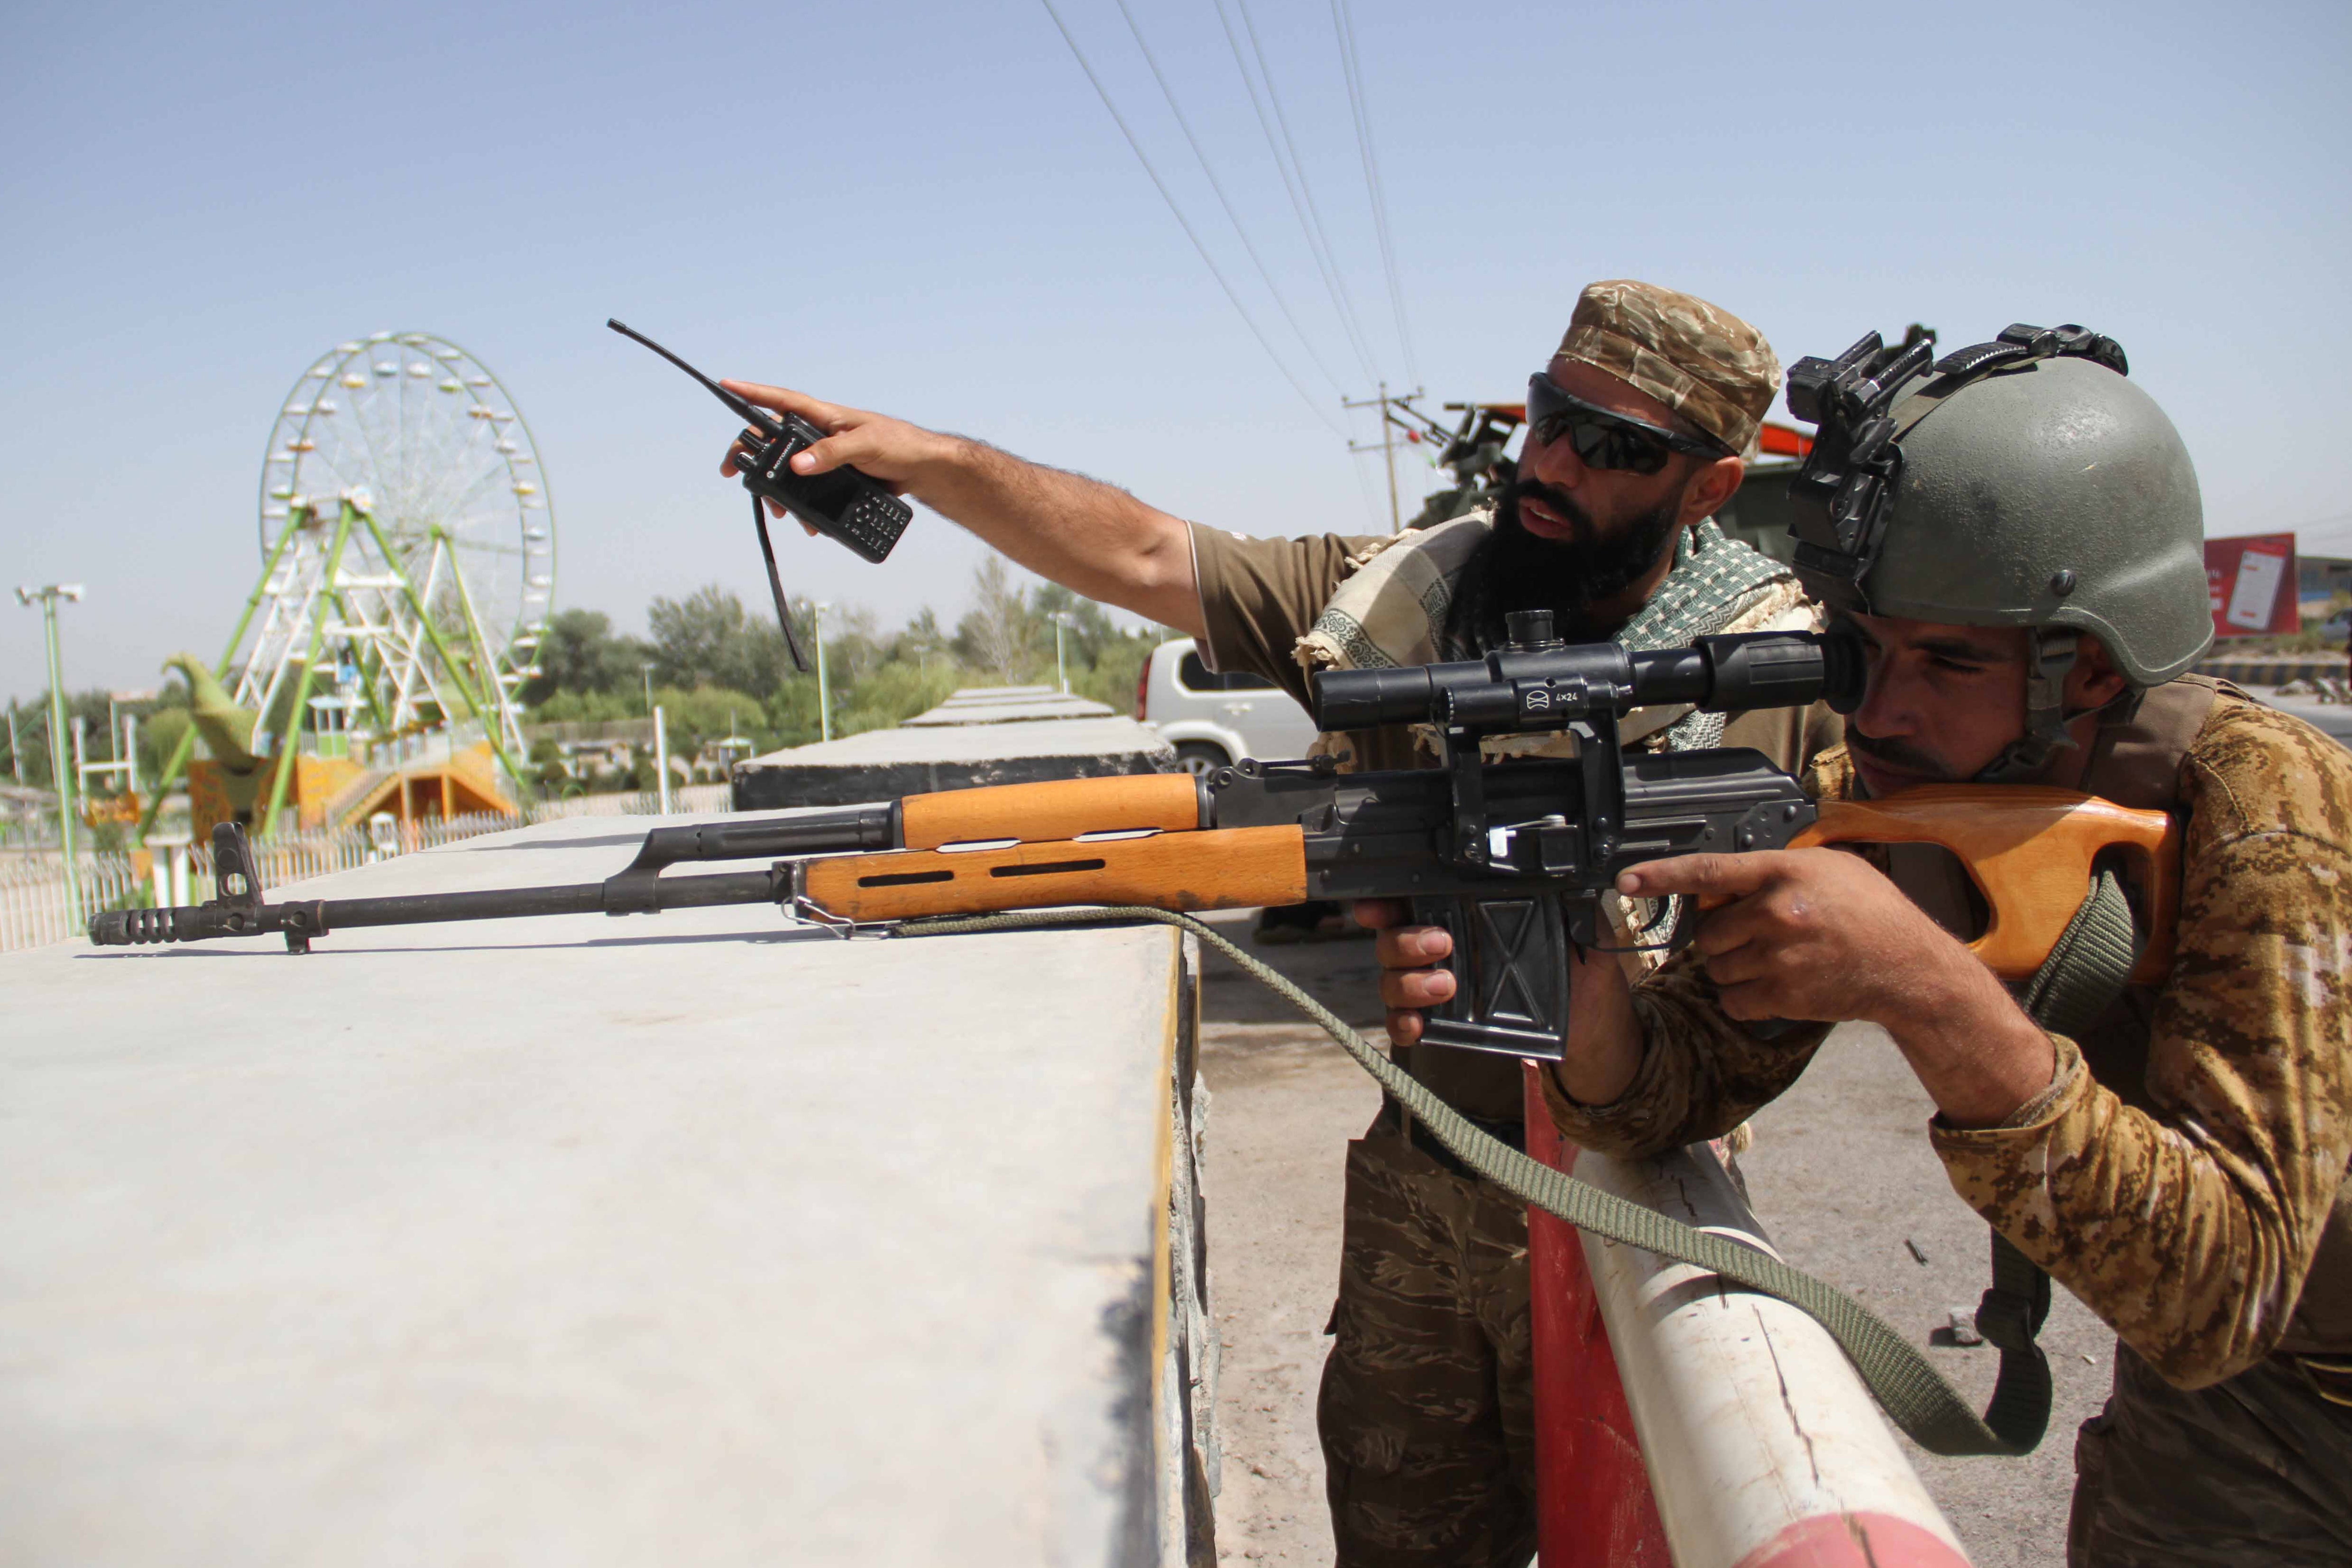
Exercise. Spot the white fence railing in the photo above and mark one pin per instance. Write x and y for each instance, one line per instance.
(34, 908)
(682, 798)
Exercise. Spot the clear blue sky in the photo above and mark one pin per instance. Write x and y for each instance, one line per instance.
(924, 208)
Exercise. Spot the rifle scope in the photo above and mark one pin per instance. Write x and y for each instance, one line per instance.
(1537, 682)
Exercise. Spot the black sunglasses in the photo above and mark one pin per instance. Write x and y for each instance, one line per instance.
(1601, 439)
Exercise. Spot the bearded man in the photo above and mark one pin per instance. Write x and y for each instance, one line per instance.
(1636, 430)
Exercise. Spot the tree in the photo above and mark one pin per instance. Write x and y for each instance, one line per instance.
(921, 642)
(578, 653)
(1000, 633)
(707, 640)
(1090, 631)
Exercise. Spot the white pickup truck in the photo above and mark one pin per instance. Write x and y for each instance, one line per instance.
(1213, 719)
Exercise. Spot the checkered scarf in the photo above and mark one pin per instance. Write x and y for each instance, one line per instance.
(1392, 611)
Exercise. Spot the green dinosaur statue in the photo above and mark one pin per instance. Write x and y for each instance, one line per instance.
(228, 728)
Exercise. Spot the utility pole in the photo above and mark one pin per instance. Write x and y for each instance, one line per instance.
(16, 746)
(47, 597)
(1387, 445)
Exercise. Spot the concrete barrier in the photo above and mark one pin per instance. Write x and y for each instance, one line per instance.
(1008, 735)
(697, 1237)
(2276, 671)
(1761, 1446)
(1008, 704)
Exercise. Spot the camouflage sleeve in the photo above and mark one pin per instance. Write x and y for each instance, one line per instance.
(1702, 1072)
(2190, 1229)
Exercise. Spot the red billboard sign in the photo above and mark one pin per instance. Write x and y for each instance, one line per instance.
(2250, 582)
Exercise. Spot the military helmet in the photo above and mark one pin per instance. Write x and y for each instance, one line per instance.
(2024, 482)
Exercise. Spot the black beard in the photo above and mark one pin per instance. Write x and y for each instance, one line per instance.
(1516, 569)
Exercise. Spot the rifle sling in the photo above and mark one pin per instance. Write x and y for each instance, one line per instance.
(2083, 975)
(1913, 1393)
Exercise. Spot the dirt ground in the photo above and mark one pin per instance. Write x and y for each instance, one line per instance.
(1840, 1173)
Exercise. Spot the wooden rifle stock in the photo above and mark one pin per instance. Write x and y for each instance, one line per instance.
(1225, 868)
(2030, 851)
(1056, 808)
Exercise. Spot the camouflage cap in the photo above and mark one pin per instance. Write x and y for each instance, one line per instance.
(1702, 361)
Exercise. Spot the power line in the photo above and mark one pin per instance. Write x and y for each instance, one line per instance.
(1186, 224)
(1218, 186)
(2333, 523)
(1354, 74)
(1302, 201)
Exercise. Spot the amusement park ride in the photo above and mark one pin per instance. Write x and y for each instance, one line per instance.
(407, 566)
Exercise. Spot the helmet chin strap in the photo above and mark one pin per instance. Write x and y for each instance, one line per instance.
(2049, 657)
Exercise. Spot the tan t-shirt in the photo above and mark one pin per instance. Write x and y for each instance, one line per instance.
(1259, 596)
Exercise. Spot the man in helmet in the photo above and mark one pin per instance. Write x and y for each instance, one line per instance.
(1636, 429)
(2015, 535)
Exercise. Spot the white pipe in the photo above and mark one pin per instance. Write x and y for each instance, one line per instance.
(661, 760)
(823, 685)
(1762, 1444)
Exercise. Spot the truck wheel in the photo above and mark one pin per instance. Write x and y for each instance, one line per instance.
(1199, 758)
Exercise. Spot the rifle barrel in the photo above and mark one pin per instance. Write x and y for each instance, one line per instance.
(317, 916)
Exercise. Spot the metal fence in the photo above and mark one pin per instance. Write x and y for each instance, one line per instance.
(35, 907)
(33, 904)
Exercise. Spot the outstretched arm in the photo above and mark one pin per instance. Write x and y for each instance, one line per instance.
(1091, 537)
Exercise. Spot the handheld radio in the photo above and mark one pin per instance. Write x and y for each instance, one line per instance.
(844, 505)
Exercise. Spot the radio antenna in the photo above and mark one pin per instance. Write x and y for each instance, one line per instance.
(758, 417)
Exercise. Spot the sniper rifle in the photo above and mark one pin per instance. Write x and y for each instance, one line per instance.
(1513, 857)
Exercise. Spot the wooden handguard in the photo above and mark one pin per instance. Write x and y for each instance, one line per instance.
(1058, 809)
(1228, 868)
(2030, 851)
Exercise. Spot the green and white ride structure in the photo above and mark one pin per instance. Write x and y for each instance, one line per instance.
(408, 563)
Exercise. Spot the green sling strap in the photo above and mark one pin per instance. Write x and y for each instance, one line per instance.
(1913, 1393)
(2083, 975)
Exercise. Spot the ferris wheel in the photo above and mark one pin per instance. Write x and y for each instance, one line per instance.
(428, 435)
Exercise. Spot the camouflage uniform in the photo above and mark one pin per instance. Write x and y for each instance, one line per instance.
(1426, 1410)
(2184, 1173)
